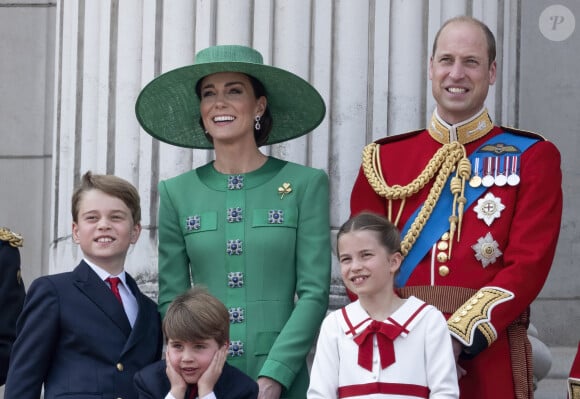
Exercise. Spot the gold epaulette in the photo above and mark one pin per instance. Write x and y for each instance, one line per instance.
(15, 240)
(476, 314)
(573, 388)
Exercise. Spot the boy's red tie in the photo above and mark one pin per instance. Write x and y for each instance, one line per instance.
(193, 392)
(114, 282)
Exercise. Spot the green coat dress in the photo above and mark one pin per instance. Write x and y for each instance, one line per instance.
(260, 242)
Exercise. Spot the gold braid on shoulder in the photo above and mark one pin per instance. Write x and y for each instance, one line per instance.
(449, 158)
(15, 240)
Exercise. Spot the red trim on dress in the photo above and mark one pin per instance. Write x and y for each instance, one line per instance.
(351, 328)
(387, 388)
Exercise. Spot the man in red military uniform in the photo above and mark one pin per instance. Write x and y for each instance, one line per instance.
(479, 207)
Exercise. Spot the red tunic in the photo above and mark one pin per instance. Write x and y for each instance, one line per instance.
(526, 233)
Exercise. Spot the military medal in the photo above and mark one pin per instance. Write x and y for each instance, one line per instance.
(501, 173)
(489, 208)
(486, 250)
(488, 179)
(514, 179)
(475, 180)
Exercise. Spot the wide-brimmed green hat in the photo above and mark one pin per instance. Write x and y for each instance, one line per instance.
(168, 107)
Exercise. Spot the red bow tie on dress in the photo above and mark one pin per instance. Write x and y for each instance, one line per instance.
(385, 333)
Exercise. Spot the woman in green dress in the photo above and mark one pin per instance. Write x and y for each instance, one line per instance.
(252, 228)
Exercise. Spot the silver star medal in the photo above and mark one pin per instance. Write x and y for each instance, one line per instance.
(489, 208)
(486, 250)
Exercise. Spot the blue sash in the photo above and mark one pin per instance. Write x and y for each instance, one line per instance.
(438, 222)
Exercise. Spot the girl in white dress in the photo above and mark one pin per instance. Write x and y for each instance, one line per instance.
(380, 346)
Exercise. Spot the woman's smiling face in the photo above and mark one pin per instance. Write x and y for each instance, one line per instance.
(229, 106)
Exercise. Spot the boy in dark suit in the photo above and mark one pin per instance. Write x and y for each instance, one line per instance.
(196, 327)
(85, 333)
(11, 294)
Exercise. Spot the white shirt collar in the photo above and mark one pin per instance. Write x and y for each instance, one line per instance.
(103, 274)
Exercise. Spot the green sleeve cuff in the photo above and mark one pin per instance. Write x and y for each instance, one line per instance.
(279, 372)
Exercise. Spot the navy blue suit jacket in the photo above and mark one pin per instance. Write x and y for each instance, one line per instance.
(74, 337)
(152, 383)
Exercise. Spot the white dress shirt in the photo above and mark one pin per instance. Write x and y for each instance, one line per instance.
(129, 300)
